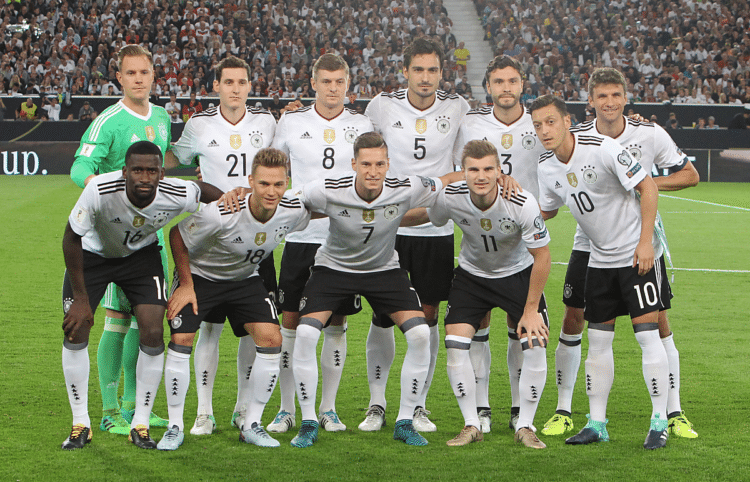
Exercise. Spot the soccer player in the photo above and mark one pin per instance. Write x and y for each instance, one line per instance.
(217, 254)
(507, 125)
(420, 124)
(111, 237)
(358, 257)
(504, 262)
(226, 139)
(102, 150)
(598, 180)
(319, 141)
(651, 146)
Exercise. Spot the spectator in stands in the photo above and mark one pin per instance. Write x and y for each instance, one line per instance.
(741, 120)
(86, 113)
(712, 123)
(52, 106)
(191, 108)
(173, 105)
(701, 124)
(672, 122)
(2, 108)
(461, 56)
(27, 110)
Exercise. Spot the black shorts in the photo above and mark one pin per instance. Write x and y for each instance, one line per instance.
(296, 265)
(267, 273)
(471, 297)
(140, 276)
(240, 302)
(386, 291)
(575, 279)
(613, 292)
(429, 261)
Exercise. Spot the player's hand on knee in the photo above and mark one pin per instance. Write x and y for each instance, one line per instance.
(510, 186)
(231, 199)
(643, 258)
(198, 173)
(533, 324)
(79, 315)
(181, 297)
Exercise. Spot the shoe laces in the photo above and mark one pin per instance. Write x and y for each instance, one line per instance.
(280, 416)
(375, 411)
(467, 432)
(421, 412)
(332, 416)
(142, 431)
(202, 420)
(77, 430)
(258, 430)
(172, 433)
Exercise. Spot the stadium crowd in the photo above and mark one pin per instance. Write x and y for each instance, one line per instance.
(682, 52)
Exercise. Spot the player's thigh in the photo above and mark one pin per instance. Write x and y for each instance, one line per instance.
(574, 288)
(249, 304)
(642, 294)
(96, 276)
(430, 262)
(604, 297)
(211, 297)
(468, 300)
(390, 292)
(329, 290)
(267, 273)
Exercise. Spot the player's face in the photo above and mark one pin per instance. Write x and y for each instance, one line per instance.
(550, 126)
(423, 74)
(505, 86)
(269, 185)
(330, 87)
(371, 166)
(233, 88)
(136, 78)
(142, 174)
(481, 174)
(608, 101)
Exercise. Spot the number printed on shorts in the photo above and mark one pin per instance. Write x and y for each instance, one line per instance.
(161, 289)
(649, 294)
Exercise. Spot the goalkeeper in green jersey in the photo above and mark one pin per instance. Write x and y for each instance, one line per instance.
(133, 118)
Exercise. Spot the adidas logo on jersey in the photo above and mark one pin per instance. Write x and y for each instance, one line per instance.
(344, 214)
(306, 135)
(116, 221)
(237, 240)
(464, 222)
(557, 185)
(398, 125)
(213, 143)
(134, 138)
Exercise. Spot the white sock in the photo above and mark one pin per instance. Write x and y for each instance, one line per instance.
(332, 358)
(148, 373)
(461, 377)
(75, 364)
(567, 363)
(481, 361)
(655, 369)
(245, 359)
(600, 372)
(176, 383)
(531, 384)
(305, 368)
(673, 357)
(206, 362)
(286, 375)
(414, 369)
(262, 380)
(515, 361)
(381, 350)
(434, 346)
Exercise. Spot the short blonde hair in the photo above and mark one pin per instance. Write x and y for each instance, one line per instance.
(133, 51)
(479, 149)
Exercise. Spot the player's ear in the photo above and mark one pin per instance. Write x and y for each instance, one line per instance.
(161, 174)
(250, 180)
(354, 164)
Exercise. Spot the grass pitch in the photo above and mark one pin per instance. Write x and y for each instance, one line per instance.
(707, 227)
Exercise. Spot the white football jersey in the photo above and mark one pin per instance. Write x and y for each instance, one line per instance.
(112, 227)
(517, 144)
(648, 143)
(226, 150)
(318, 148)
(362, 237)
(597, 185)
(226, 246)
(420, 142)
(495, 241)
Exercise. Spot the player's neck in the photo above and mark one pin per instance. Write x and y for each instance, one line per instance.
(328, 113)
(140, 107)
(233, 116)
(610, 129)
(260, 213)
(508, 116)
(484, 201)
(367, 195)
(565, 151)
(419, 102)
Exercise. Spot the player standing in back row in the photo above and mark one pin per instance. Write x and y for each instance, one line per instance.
(226, 138)
(420, 125)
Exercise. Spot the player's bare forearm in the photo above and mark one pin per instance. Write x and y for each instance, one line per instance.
(686, 177)
(181, 256)
(452, 177)
(209, 192)
(549, 214)
(539, 275)
(415, 217)
(649, 194)
(73, 254)
(170, 160)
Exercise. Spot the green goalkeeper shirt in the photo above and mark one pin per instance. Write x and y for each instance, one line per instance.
(108, 138)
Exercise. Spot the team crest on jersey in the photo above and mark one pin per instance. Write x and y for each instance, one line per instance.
(280, 233)
(486, 224)
(528, 142)
(390, 212)
(163, 131)
(192, 227)
(507, 141)
(150, 133)
(161, 219)
(329, 135)
(572, 179)
(176, 322)
(350, 135)
(421, 126)
(260, 238)
(443, 125)
(235, 140)
(80, 215)
(256, 140)
(589, 175)
(368, 215)
(636, 153)
(507, 226)
(624, 158)
(138, 221)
